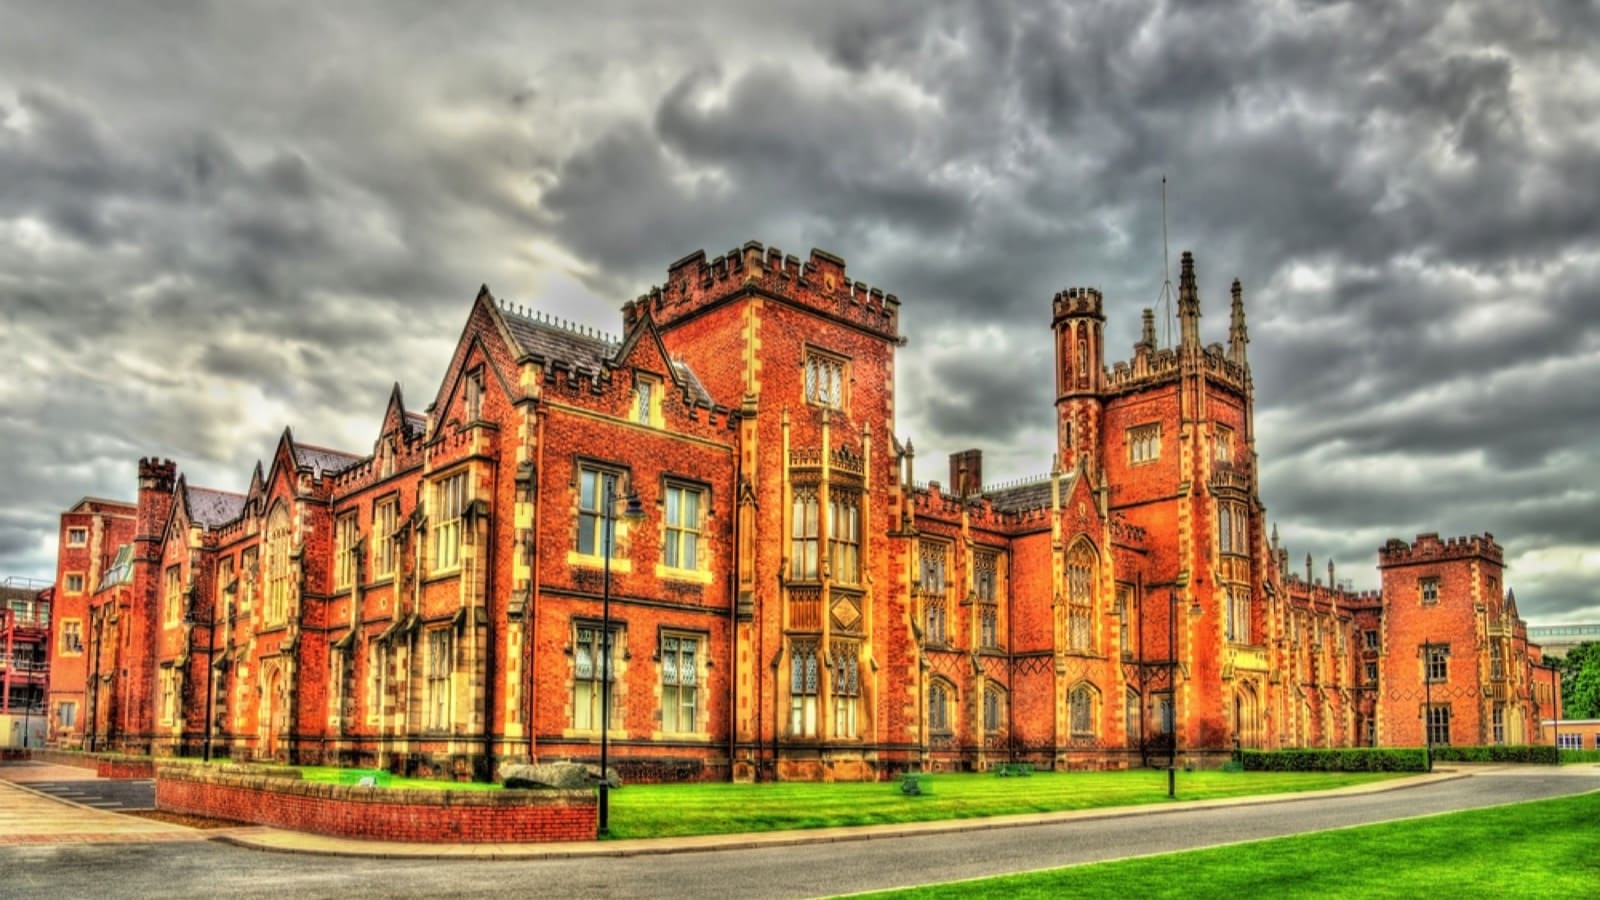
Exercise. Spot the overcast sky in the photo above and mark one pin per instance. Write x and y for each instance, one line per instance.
(220, 219)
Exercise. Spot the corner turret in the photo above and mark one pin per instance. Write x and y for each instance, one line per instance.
(1188, 306)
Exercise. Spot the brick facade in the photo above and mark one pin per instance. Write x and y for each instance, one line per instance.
(790, 600)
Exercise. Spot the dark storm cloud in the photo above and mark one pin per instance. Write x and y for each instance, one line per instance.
(224, 219)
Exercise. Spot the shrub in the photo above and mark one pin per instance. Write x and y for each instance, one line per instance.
(1360, 759)
(1499, 753)
(1580, 756)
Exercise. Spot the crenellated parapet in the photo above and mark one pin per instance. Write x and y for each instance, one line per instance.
(1078, 301)
(1151, 369)
(820, 284)
(1431, 548)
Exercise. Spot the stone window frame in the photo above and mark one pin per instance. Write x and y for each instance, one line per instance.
(1428, 590)
(844, 686)
(994, 709)
(933, 565)
(69, 587)
(645, 405)
(844, 536)
(1436, 720)
(1082, 566)
(1144, 443)
(451, 493)
(587, 688)
(676, 536)
(346, 537)
(1222, 444)
(942, 706)
(1370, 639)
(1436, 663)
(1082, 703)
(1125, 610)
(71, 641)
(172, 595)
(439, 665)
(77, 536)
(385, 525)
(825, 378)
(805, 686)
(671, 656)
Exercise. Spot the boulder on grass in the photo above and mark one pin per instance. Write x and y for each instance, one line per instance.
(555, 776)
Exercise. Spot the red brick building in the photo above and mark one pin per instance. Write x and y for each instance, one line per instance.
(791, 600)
(24, 661)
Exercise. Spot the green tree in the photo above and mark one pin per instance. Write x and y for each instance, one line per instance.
(1580, 682)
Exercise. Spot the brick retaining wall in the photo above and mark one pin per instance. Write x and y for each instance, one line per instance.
(378, 813)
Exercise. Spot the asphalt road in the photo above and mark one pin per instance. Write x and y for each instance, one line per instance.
(211, 869)
(103, 793)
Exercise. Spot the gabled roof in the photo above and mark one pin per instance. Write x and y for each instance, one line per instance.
(1028, 495)
(210, 508)
(551, 340)
(322, 460)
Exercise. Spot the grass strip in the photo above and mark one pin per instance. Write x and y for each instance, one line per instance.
(1545, 848)
(673, 810)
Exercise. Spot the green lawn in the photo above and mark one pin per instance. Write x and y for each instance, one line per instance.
(662, 810)
(337, 775)
(1541, 849)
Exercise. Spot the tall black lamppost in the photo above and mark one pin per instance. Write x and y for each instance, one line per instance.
(634, 511)
(1427, 706)
(193, 620)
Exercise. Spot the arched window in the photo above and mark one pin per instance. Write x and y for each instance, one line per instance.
(1080, 598)
(1133, 712)
(1080, 711)
(277, 606)
(994, 710)
(940, 697)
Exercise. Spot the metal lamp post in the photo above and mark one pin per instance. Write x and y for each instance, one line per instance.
(1427, 706)
(634, 511)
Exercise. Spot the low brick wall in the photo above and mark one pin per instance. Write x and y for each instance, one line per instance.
(378, 813)
(125, 768)
(105, 765)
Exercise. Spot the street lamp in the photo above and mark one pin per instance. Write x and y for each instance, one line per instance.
(634, 512)
(1427, 705)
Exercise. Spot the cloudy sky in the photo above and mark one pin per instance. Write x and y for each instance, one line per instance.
(218, 219)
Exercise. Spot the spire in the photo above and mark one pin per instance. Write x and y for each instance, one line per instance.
(1238, 336)
(1188, 304)
(1274, 535)
(1148, 337)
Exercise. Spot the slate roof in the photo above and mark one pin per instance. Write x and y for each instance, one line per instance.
(548, 341)
(324, 461)
(415, 423)
(121, 570)
(1021, 497)
(209, 508)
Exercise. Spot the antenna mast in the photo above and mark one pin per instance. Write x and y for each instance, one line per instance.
(1165, 300)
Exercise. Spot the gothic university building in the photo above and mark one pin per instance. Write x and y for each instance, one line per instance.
(792, 602)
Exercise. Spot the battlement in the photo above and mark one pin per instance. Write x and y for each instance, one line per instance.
(1430, 548)
(1078, 301)
(157, 474)
(1147, 369)
(820, 283)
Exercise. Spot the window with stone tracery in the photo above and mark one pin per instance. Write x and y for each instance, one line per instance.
(803, 683)
(824, 379)
(845, 686)
(278, 568)
(1080, 599)
(1144, 443)
(932, 555)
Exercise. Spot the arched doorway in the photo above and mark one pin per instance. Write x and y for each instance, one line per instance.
(1247, 716)
(273, 711)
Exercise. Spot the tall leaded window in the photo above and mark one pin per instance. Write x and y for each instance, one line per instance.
(1144, 443)
(680, 683)
(173, 589)
(989, 626)
(597, 488)
(824, 379)
(168, 683)
(1222, 445)
(439, 664)
(844, 537)
(1080, 599)
(1429, 588)
(345, 535)
(803, 536)
(1497, 661)
(1239, 613)
(449, 502)
(939, 718)
(590, 668)
(1439, 725)
(932, 555)
(985, 565)
(1080, 711)
(682, 547)
(1133, 718)
(384, 518)
(1499, 727)
(1125, 620)
(644, 398)
(994, 706)
(803, 690)
(845, 686)
(1438, 658)
(1164, 712)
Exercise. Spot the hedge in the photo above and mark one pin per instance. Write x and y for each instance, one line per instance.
(1580, 756)
(1500, 753)
(1361, 759)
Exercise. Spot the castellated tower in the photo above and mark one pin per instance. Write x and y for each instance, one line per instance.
(1079, 324)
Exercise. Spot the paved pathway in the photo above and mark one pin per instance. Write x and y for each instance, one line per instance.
(29, 816)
